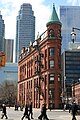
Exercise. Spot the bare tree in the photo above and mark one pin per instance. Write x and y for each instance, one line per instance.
(8, 92)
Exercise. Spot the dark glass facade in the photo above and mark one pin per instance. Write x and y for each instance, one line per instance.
(9, 73)
(2, 33)
(71, 68)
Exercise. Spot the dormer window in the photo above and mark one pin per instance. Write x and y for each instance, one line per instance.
(51, 33)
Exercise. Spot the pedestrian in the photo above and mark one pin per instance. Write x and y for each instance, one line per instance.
(26, 113)
(50, 107)
(21, 107)
(31, 111)
(4, 111)
(74, 109)
(16, 107)
(43, 113)
(64, 107)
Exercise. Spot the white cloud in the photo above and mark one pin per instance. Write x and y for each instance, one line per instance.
(9, 11)
(74, 2)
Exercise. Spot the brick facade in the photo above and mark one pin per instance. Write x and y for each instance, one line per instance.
(39, 70)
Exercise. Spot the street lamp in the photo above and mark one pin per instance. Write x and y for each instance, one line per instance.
(38, 62)
(73, 88)
(50, 98)
(73, 34)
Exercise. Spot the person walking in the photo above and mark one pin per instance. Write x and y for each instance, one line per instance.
(26, 113)
(4, 111)
(74, 109)
(43, 113)
(64, 107)
(31, 111)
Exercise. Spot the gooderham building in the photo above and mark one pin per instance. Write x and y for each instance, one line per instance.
(39, 68)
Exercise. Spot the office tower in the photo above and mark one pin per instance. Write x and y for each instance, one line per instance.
(71, 70)
(2, 33)
(69, 17)
(9, 72)
(8, 49)
(25, 28)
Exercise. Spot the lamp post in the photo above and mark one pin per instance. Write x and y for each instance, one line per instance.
(73, 86)
(38, 72)
(73, 35)
(51, 102)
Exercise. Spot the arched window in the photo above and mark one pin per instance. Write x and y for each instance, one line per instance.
(51, 33)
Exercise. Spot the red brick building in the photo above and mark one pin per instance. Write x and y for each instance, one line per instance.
(39, 68)
(76, 92)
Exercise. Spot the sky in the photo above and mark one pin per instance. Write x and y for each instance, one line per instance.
(42, 10)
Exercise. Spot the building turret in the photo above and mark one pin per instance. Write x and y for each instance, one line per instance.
(53, 18)
(54, 40)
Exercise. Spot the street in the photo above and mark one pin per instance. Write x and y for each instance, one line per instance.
(52, 115)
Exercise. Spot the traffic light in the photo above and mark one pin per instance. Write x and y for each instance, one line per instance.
(2, 59)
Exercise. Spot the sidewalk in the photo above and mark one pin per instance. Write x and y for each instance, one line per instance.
(52, 115)
(58, 114)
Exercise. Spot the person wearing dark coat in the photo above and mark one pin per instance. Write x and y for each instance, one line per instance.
(4, 112)
(26, 113)
(43, 113)
(30, 110)
(74, 109)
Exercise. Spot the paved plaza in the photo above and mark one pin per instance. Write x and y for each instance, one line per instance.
(52, 115)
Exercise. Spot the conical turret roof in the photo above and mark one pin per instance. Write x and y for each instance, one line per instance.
(53, 18)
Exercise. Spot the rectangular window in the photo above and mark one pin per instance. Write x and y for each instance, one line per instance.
(51, 64)
(59, 77)
(51, 93)
(51, 51)
(51, 78)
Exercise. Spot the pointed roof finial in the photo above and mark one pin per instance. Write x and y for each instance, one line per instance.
(53, 5)
(54, 17)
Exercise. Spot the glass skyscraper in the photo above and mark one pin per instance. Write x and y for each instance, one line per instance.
(71, 69)
(25, 28)
(9, 72)
(69, 17)
(2, 33)
(8, 49)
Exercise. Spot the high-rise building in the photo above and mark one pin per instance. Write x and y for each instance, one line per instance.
(71, 70)
(69, 17)
(25, 28)
(2, 33)
(8, 49)
(9, 72)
